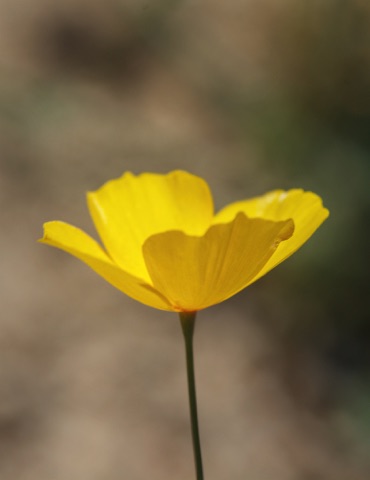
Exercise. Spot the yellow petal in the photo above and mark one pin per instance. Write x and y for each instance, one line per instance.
(305, 208)
(128, 210)
(197, 272)
(78, 243)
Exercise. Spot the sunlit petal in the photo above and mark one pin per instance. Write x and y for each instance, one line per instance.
(128, 210)
(78, 243)
(305, 208)
(196, 272)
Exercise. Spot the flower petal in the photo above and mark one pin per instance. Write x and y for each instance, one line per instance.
(305, 208)
(78, 243)
(197, 272)
(128, 210)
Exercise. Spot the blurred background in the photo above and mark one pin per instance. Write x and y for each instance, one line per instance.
(251, 96)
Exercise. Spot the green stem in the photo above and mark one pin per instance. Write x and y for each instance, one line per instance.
(187, 323)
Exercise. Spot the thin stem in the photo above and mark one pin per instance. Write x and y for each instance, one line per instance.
(187, 323)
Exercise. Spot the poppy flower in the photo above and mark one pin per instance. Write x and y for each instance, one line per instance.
(164, 246)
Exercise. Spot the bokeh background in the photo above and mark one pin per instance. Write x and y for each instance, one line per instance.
(251, 95)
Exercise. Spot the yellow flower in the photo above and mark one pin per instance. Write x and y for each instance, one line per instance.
(165, 247)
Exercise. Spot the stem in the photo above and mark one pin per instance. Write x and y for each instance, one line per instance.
(187, 323)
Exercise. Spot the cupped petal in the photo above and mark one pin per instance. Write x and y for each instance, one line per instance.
(76, 242)
(197, 272)
(305, 208)
(128, 210)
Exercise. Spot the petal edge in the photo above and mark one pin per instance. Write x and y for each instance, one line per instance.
(76, 242)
